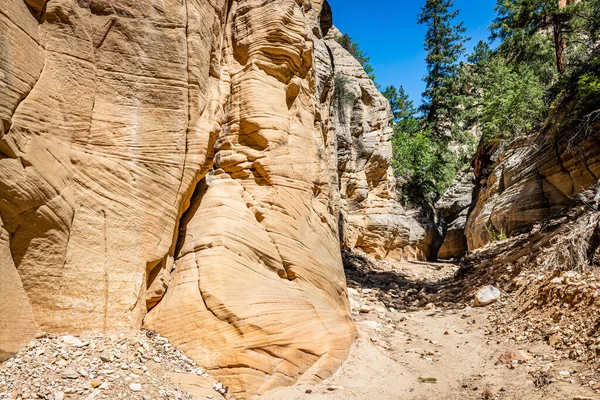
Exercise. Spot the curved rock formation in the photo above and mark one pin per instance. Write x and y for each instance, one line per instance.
(372, 217)
(455, 206)
(531, 180)
(178, 165)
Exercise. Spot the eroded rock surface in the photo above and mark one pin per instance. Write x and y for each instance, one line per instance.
(178, 166)
(532, 179)
(455, 206)
(372, 216)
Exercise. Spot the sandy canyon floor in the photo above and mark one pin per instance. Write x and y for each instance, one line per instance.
(419, 338)
(440, 352)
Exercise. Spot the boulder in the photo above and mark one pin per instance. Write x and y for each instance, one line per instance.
(486, 296)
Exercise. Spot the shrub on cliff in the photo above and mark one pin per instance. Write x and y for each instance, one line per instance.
(353, 48)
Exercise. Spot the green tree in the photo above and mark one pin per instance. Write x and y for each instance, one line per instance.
(444, 43)
(402, 106)
(481, 56)
(523, 25)
(593, 22)
(353, 48)
(513, 101)
(425, 172)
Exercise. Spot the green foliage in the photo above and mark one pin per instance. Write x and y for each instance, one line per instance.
(481, 56)
(444, 43)
(353, 48)
(548, 39)
(521, 18)
(425, 168)
(494, 234)
(588, 84)
(521, 27)
(592, 22)
(512, 103)
(402, 106)
(545, 56)
(342, 95)
(422, 155)
(576, 98)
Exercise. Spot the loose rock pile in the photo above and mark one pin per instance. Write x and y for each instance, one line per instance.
(561, 308)
(401, 288)
(119, 366)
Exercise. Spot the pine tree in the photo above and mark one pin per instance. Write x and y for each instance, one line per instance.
(519, 21)
(402, 106)
(444, 43)
(481, 56)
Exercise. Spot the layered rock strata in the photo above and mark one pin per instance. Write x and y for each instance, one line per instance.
(455, 206)
(176, 165)
(530, 180)
(372, 217)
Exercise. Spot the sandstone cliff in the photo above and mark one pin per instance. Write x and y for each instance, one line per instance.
(455, 206)
(530, 180)
(184, 166)
(372, 217)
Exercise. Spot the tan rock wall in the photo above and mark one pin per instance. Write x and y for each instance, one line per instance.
(530, 180)
(95, 159)
(177, 165)
(260, 292)
(372, 216)
(111, 113)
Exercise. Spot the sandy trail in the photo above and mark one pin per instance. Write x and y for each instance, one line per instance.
(399, 350)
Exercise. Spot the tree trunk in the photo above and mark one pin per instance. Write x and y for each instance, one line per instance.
(559, 45)
(559, 42)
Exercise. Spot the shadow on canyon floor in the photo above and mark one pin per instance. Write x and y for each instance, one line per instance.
(407, 285)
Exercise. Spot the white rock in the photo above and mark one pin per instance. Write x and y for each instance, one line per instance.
(135, 387)
(73, 341)
(93, 395)
(70, 374)
(487, 295)
(371, 324)
(59, 395)
(354, 305)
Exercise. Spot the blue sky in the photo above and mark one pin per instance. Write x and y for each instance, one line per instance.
(388, 32)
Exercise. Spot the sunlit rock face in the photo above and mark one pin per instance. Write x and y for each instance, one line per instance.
(258, 292)
(181, 166)
(372, 217)
(531, 179)
(95, 155)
